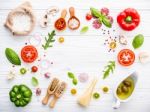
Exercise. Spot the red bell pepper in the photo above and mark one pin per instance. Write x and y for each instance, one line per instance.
(129, 19)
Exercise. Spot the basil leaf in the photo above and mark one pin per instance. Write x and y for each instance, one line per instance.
(70, 75)
(35, 81)
(75, 81)
(106, 22)
(138, 41)
(84, 29)
(95, 12)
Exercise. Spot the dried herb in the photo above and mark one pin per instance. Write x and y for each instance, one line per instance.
(50, 39)
(109, 68)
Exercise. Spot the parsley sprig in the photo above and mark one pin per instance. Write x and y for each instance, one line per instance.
(50, 39)
(109, 68)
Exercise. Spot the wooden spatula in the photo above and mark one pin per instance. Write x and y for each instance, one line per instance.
(50, 91)
(58, 93)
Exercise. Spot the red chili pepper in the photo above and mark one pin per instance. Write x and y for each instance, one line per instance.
(129, 19)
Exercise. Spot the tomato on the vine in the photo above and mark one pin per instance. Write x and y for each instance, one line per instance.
(126, 57)
(29, 54)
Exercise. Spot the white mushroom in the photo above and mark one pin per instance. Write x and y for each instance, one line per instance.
(144, 57)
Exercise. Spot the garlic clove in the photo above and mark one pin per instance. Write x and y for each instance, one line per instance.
(11, 75)
(122, 40)
(144, 57)
(44, 22)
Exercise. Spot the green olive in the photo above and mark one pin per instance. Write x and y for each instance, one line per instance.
(119, 91)
(125, 89)
(127, 83)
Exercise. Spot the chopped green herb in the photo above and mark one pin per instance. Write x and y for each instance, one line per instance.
(50, 39)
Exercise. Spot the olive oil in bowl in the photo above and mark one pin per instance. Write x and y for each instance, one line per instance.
(125, 88)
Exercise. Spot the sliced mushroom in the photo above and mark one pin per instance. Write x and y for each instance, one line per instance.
(44, 23)
(52, 10)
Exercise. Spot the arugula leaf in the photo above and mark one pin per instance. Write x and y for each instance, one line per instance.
(109, 68)
(50, 39)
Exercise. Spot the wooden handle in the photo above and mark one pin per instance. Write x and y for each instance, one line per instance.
(72, 11)
(53, 102)
(63, 13)
(45, 99)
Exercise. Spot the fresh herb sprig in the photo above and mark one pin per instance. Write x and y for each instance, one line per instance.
(109, 68)
(101, 17)
(50, 39)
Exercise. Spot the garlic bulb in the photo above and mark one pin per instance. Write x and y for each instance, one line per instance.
(144, 57)
(122, 40)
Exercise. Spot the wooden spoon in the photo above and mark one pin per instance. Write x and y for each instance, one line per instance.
(50, 91)
(58, 93)
(60, 23)
(71, 22)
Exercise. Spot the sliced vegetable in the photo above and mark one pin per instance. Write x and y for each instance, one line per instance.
(84, 29)
(138, 41)
(73, 91)
(105, 89)
(12, 56)
(29, 54)
(61, 39)
(126, 57)
(96, 95)
(109, 68)
(49, 40)
(35, 81)
(20, 95)
(23, 71)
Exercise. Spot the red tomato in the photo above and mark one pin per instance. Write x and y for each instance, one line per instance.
(126, 57)
(34, 68)
(88, 17)
(29, 54)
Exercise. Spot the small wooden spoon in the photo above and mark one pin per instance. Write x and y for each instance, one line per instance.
(72, 18)
(50, 91)
(58, 93)
(60, 23)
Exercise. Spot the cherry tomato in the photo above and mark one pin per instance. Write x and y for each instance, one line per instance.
(88, 17)
(29, 54)
(34, 68)
(126, 57)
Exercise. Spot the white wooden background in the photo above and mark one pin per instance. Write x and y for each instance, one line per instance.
(79, 53)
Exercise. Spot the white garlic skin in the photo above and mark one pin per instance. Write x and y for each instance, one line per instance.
(144, 57)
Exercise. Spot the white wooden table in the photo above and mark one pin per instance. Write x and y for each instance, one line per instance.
(79, 53)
